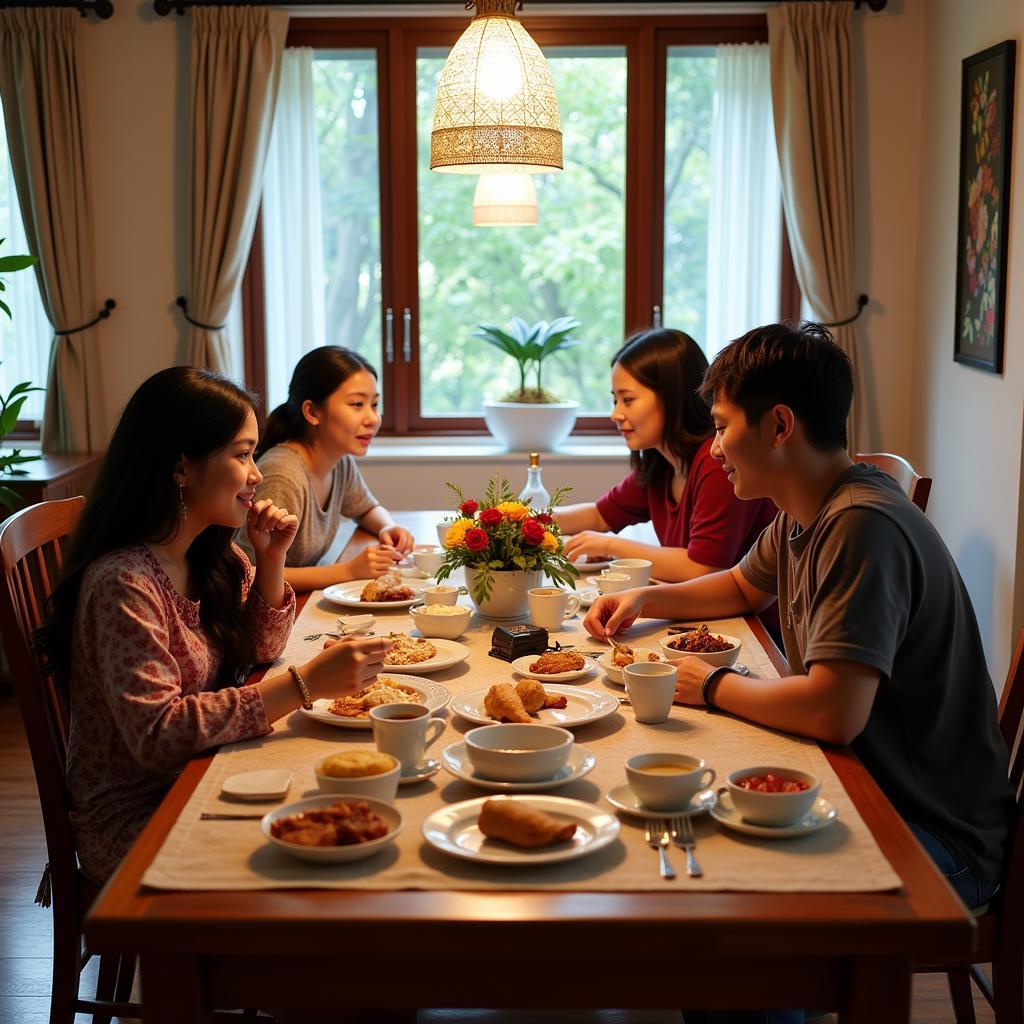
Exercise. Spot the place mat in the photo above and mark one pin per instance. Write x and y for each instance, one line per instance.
(233, 855)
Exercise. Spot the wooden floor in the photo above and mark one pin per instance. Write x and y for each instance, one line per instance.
(25, 935)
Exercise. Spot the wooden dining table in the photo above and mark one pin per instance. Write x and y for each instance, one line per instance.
(329, 951)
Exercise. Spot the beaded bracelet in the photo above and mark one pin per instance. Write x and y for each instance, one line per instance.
(711, 678)
(307, 703)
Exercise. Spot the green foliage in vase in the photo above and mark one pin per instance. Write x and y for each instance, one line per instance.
(526, 345)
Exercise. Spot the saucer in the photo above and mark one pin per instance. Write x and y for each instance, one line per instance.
(264, 784)
(624, 799)
(431, 766)
(820, 816)
(356, 623)
(580, 762)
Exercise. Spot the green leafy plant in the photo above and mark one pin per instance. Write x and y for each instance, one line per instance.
(10, 407)
(528, 344)
(502, 533)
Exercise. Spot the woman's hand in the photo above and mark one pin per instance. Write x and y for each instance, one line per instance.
(345, 665)
(397, 537)
(373, 561)
(588, 545)
(612, 613)
(270, 530)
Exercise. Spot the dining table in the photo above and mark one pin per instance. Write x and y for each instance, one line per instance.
(495, 941)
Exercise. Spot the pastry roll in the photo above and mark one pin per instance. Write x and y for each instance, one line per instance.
(504, 704)
(531, 693)
(522, 825)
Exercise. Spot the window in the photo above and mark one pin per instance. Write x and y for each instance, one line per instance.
(360, 244)
(25, 339)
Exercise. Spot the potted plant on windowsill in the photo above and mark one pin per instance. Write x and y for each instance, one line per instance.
(530, 418)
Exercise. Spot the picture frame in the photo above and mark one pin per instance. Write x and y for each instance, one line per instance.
(986, 128)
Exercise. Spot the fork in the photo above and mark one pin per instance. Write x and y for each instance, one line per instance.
(658, 839)
(682, 835)
(335, 635)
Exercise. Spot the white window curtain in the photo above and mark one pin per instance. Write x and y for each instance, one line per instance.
(25, 340)
(293, 244)
(745, 217)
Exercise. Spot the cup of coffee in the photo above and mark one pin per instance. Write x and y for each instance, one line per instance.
(612, 582)
(550, 606)
(667, 782)
(428, 559)
(651, 688)
(637, 569)
(442, 594)
(404, 731)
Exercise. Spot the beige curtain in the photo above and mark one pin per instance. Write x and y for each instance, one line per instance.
(43, 109)
(236, 67)
(812, 96)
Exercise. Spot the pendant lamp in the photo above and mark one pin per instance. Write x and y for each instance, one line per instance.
(504, 200)
(496, 109)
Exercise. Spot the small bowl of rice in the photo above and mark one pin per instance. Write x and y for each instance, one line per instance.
(444, 621)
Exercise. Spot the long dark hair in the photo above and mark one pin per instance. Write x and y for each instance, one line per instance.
(672, 365)
(182, 411)
(317, 375)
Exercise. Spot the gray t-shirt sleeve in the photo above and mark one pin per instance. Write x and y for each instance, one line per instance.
(760, 565)
(862, 581)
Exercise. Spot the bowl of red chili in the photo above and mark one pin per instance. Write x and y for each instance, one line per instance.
(716, 649)
(770, 795)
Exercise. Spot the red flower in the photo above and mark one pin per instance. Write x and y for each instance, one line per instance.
(533, 532)
(468, 507)
(543, 517)
(491, 517)
(477, 539)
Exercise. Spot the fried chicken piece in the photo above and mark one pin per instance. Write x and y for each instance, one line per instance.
(504, 704)
(558, 661)
(522, 825)
(531, 693)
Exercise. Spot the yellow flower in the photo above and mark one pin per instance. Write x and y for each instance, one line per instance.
(456, 535)
(550, 542)
(514, 510)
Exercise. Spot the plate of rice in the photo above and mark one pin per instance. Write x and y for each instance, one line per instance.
(353, 711)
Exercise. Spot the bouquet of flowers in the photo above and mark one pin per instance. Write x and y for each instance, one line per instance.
(503, 533)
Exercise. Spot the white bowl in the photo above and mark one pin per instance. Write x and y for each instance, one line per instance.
(776, 809)
(614, 673)
(518, 753)
(443, 626)
(715, 658)
(382, 786)
(356, 851)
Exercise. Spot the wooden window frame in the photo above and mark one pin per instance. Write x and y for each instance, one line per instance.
(646, 40)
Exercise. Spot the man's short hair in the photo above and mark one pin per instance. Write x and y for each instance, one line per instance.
(780, 364)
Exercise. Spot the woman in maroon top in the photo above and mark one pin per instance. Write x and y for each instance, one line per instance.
(675, 484)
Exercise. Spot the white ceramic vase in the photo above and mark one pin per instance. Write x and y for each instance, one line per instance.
(508, 598)
(530, 427)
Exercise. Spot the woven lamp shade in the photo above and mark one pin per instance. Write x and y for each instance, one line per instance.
(496, 109)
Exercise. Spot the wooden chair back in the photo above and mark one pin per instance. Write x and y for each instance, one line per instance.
(917, 487)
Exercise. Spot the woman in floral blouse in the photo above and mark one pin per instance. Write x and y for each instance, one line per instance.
(159, 616)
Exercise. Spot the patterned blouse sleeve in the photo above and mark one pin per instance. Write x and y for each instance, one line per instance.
(270, 626)
(161, 717)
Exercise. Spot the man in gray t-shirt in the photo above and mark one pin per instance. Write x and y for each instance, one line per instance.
(881, 638)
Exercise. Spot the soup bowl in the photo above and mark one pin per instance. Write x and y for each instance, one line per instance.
(518, 753)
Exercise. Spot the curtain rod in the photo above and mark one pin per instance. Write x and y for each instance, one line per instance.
(103, 9)
(164, 7)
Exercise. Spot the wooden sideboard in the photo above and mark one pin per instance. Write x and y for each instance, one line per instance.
(54, 476)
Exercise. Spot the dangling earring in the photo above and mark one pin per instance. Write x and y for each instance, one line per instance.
(181, 500)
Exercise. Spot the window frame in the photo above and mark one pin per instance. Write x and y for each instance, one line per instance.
(396, 41)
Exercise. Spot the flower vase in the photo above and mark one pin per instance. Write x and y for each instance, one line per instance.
(508, 598)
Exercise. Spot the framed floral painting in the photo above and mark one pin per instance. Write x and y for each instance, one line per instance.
(986, 121)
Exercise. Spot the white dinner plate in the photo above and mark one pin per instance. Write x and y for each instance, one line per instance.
(449, 652)
(624, 799)
(522, 666)
(582, 707)
(333, 854)
(262, 784)
(458, 763)
(820, 816)
(347, 594)
(613, 672)
(435, 697)
(454, 830)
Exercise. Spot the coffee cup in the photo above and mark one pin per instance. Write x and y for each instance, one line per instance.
(637, 569)
(667, 782)
(651, 688)
(612, 582)
(428, 559)
(404, 731)
(551, 606)
(442, 594)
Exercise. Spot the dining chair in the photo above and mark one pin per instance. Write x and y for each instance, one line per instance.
(1000, 922)
(917, 487)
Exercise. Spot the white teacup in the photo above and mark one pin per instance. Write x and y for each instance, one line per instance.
(428, 560)
(667, 782)
(551, 606)
(637, 569)
(651, 688)
(442, 594)
(612, 582)
(442, 532)
(401, 730)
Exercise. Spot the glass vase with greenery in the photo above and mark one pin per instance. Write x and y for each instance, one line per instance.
(528, 344)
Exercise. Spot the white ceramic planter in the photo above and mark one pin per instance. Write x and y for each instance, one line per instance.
(508, 598)
(528, 427)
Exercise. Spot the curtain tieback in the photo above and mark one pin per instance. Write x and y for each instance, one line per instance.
(103, 314)
(183, 303)
(862, 301)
